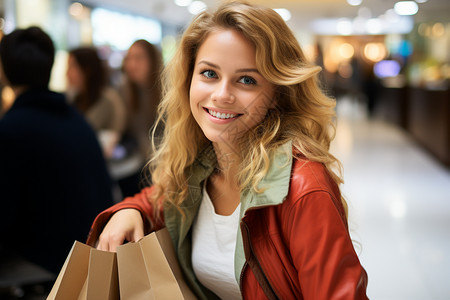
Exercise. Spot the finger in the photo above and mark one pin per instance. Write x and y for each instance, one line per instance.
(113, 246)
(102, 245)
(138, 234)
(114, 242)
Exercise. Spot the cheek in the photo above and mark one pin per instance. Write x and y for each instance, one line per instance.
(200, 91)
(127, 68)
(195, 93)
(192, 102)
(71, 78)
(257, 110)
(77, 80)
(192, 98)
(146, 66)
(130, 68)
(256, 117)
(140, 68)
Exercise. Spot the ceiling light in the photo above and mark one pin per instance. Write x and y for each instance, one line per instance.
(375, 51)
(183, 2)
(374, 26)
(354, 2)
(406, 8)
(284, 13)
(438, 30)
(344, 26)
(76, 9)
(197, 7)
(346, 50)
(421, 1)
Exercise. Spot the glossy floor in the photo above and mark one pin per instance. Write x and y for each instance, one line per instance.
(399, 199)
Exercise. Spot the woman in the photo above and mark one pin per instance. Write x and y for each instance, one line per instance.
(88, 90)
(243, 179)
(141, 92)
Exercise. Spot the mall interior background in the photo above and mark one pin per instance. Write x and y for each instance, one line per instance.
(390, 73)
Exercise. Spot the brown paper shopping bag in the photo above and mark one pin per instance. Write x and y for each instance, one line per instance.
(148, 269)
(87, 274)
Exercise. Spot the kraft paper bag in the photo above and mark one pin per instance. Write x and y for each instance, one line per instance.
(87, 274)
(148, 269)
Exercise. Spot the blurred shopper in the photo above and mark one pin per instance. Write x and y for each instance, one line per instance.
(141, 91)
(370, 88)
(88, 89)
(53, 176)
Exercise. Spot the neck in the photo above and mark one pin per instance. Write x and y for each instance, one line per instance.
(227, 162)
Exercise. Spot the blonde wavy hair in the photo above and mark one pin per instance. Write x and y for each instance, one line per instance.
(303, 113)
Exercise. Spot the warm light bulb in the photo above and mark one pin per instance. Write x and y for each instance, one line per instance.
(346, 50)
(76, 9)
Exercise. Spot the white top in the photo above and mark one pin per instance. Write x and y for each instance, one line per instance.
(213, 246)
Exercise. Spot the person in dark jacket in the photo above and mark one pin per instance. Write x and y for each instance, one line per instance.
(53, 177)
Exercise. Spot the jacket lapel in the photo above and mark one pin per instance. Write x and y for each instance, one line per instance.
(275, 186)
(179, 224)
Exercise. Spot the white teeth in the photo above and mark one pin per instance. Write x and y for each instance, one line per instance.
(221, 115)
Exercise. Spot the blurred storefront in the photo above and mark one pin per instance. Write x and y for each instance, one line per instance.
(403, 77)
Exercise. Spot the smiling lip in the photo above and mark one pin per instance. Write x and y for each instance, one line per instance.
(222, 115)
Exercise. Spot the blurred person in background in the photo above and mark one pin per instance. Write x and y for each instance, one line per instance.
(88, 90)
(141, 91)
(53, 176)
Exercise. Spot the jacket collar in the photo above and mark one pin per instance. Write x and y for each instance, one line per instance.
(41, 98)
(275, 185)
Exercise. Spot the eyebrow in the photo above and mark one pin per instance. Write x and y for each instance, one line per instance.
(244, 70)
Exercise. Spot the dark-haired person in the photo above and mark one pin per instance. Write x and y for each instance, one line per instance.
(53, 176)
(87, 79)
(141, 92)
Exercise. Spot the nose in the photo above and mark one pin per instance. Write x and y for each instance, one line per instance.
(223, 92)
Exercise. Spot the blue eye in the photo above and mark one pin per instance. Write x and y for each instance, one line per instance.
(209, 74)
(247, 80)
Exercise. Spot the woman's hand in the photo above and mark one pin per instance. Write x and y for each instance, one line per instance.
(124, 225)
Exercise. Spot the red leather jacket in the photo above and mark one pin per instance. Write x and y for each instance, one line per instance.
(296, 247)
(302, 247)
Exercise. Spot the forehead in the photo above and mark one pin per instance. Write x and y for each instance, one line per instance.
(136, 49)
(227, 44)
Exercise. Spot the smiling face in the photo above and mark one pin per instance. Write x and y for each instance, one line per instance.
(228, 95)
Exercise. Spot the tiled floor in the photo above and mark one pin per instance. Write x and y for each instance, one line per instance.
(399, 198)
